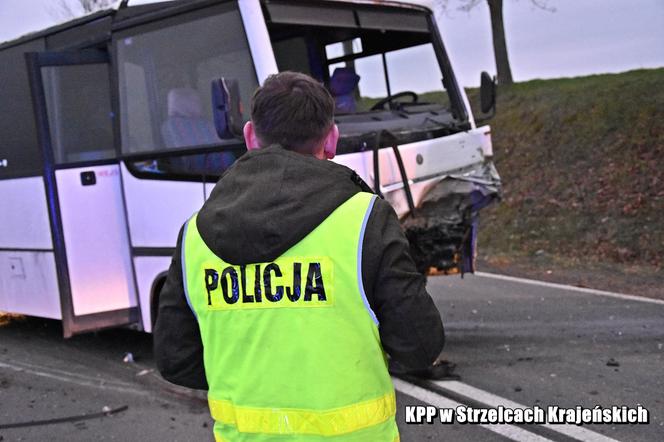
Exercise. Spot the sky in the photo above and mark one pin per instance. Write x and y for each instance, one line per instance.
(581, 37)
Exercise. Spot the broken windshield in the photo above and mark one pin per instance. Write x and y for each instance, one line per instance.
(383, 66)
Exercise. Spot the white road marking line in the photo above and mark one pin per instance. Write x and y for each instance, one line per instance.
(54, 371)
(73, 378)
(493, 400)
(570, 287)
(509, 431)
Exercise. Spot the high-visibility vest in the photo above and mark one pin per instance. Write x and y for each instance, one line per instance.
(291, 347)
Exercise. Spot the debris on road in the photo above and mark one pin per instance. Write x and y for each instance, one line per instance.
(612, 363)
(106, 411)
(439, 370)
(128, 358)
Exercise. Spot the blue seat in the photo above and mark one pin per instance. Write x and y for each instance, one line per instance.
(186, 126)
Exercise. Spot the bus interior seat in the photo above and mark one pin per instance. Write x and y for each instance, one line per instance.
(186, 125)
(342, 85)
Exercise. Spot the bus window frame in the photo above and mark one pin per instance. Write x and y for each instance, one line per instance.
(129, 161)
(78, 57)
(449, 79)
(154, 22)
(18, 71)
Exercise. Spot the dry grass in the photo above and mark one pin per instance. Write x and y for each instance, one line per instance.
(582, 161)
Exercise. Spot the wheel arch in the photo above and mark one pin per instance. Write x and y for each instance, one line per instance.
(155, 292)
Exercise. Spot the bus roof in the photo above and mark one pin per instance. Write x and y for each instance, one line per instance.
(116, 17)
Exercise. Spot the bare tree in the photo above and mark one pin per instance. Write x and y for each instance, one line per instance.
(73, 8)
(497, 31)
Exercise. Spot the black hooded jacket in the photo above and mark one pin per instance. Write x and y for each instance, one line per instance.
(268, 201)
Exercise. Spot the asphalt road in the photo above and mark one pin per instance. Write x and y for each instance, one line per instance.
(515, 344)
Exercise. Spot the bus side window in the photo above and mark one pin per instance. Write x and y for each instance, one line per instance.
(79, 112)
(20, 154)
(165, 71)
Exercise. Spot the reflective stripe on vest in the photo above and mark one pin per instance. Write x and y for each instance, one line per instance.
(288, 421)
(291, 346)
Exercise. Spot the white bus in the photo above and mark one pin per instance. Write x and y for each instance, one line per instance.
(114, 128)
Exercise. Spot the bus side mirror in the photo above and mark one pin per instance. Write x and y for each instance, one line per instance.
(227, 108)
(487, 93)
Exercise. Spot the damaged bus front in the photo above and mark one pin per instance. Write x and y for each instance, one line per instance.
(405, 124)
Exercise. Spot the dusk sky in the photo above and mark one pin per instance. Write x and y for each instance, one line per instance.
(581, 37)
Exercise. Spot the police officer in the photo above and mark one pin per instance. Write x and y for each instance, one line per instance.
(290, 282)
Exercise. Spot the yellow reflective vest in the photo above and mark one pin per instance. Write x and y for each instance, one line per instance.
(291, 347)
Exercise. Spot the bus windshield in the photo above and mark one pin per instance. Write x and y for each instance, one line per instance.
(381, 64)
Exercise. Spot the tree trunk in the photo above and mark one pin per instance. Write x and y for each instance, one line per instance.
(499, 43)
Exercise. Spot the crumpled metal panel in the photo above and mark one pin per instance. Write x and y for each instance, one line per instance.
(443, 230)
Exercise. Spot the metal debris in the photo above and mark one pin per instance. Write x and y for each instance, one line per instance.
(612, 363)
(443, 232)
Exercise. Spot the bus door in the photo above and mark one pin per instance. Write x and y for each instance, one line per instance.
(72, 104)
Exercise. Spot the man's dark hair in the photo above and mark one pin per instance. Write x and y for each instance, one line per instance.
(293, 110)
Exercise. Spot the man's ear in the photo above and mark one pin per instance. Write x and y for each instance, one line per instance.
(330, 147)
(250, 137)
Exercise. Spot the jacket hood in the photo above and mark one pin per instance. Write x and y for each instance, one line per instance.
(269, 200)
